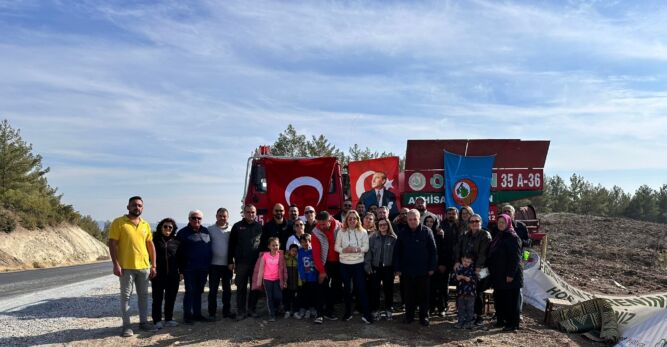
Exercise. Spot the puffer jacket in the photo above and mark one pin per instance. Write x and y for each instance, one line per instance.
(379, 244)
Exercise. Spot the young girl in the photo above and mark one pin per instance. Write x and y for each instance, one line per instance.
(352, 244)
(379, 264)
(271, 273)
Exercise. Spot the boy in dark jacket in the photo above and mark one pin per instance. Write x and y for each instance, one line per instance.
(289, 293)
(466, 291)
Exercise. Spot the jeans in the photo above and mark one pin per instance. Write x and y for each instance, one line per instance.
(416, 294)
(167, 288)
(382, 277)
(354, 280)
(128, 280)
(274, 296)
(217, 274)
(466, 308)
(243, 298)
(195, 281)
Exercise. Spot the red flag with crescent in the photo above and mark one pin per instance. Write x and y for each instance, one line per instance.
(301, 182)
(362, 172)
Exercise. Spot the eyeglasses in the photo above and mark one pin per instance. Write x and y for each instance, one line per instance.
(298, 224)
(383, 225)
(167, 227)
(475, 221)
(195, 218)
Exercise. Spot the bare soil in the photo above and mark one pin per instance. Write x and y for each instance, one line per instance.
(607, 255)
(52, 246)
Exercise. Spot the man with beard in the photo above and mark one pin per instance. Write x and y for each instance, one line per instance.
(277, 227)
(133, 258)
(293, 213)
(347, 206)
(420, 205)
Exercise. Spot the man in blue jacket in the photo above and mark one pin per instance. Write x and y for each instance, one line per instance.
(194, 261)
(415, 258)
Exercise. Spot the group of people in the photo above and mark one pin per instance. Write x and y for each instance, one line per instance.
(305, 266)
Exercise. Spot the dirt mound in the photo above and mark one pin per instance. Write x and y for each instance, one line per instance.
(53, 246)
(607, 255)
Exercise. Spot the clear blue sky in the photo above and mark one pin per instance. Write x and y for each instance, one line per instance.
(168, 99)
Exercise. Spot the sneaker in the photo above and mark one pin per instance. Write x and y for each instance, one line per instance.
(171, 323)
(272, 319)
(389, 315)
(330, 317)
(367, 320)
(458, 326)
(479, 322)
(313, 312)
(347, 317)
(159, 325)
(127, 332)
(319, 320)
(307, 315)
(298, 315)
(254, 314)
(147, 327)
(424, 322)
(287, 314)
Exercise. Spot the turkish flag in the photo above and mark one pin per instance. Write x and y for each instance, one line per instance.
(301, 182)
(361, 176)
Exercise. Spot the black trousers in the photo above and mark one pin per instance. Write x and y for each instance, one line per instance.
(439, 290)
(167, 289)
(289, 300)
(416, 295)
(245, 301)
(382, 278)
(306, 295)
(329, 291)
(217, 274)
(506, 302)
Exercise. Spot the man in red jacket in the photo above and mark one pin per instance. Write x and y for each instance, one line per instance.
(327, 265)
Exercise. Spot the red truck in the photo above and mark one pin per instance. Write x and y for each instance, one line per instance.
(518, 173)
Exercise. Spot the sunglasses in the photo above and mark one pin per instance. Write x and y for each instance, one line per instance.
(310, 212)
(195, 218)
(167, 227)
(475, 221)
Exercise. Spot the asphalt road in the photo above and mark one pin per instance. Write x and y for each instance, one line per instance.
(24, 282)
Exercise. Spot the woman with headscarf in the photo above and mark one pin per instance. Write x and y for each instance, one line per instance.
(506, 274)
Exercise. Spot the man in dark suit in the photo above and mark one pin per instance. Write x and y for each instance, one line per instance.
(380, 196)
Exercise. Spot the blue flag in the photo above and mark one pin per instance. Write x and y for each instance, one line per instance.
(468, 182)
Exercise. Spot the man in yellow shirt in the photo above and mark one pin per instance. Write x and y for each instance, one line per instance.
(133, 256)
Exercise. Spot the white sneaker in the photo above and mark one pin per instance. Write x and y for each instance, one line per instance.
(298, 315)
(159, 325)
(171, 323)
(287, 314)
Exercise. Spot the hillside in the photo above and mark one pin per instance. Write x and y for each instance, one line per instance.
(594, 252)
(52, 246)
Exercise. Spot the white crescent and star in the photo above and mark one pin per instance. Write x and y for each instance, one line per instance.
(304, 181)
(360, 189)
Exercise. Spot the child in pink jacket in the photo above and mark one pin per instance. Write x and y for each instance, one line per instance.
(271, 274)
